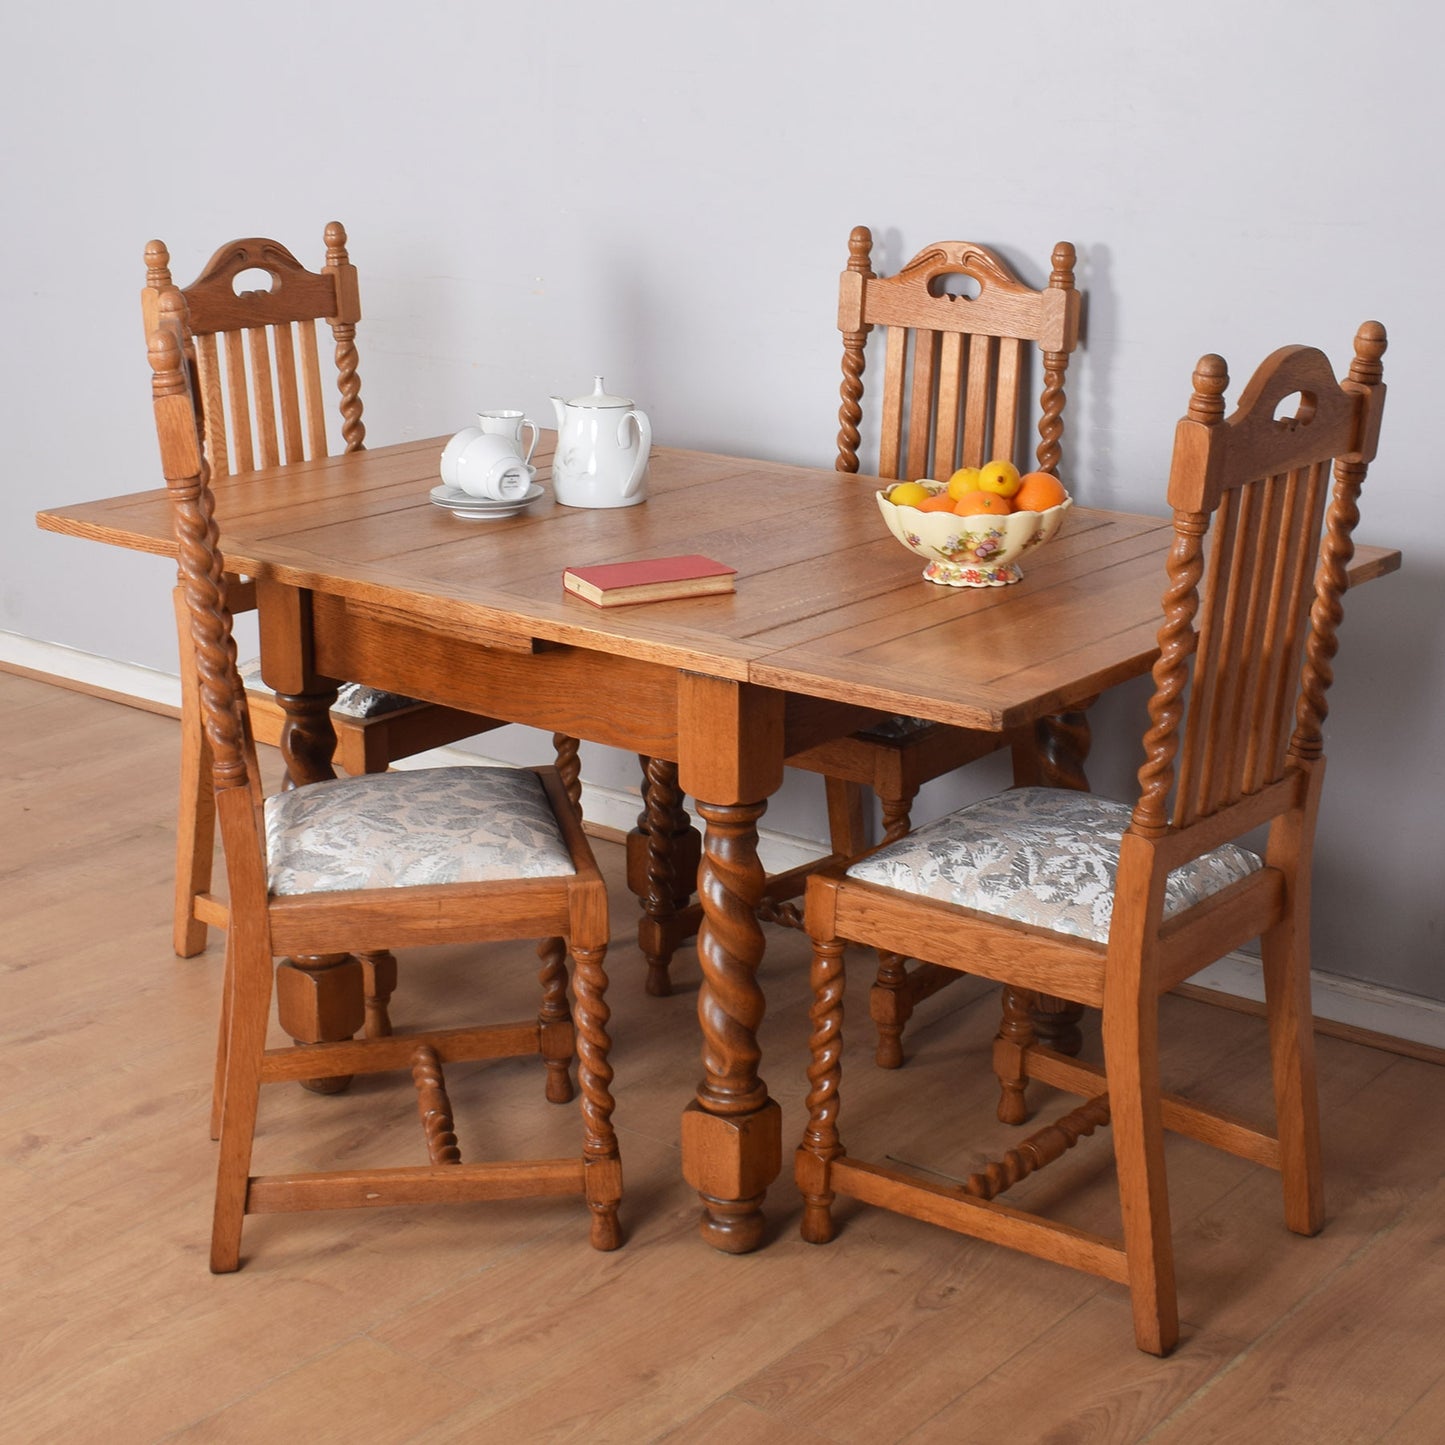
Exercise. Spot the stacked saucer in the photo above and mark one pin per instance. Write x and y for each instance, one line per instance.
(481, 509)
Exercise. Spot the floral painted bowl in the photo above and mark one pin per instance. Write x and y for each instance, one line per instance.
(981, 551)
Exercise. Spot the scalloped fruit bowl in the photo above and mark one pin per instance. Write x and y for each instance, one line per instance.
(981, 551)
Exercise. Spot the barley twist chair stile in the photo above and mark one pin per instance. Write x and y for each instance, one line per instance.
(262, 399)
(1063, 893)
(373, 863)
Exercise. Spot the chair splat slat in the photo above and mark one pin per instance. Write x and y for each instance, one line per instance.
(1006, 401)
(311, 378)
(263, 395)
(287, 393)
(1265, 725)
(976, 403)
(920, 402)
(243, 456)
(890, 440)
(949, 409)
(1256, 543)
(208, 363)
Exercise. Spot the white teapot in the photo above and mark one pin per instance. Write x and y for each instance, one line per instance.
(598, 463)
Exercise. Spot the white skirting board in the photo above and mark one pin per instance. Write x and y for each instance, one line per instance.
(1342, 1000)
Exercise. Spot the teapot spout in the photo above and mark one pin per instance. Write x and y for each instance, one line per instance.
(560, 407)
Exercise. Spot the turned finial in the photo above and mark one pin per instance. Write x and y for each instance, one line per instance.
(860, 248)
(1211, 377)
(158, 265)
(171, 305)
(1370, 343)
(1062, 276)
(335, 244)
(163, 351)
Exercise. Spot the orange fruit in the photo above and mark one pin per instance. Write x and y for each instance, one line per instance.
(1000, 477)
(938, 502)
(973, 504)
(1038, 492)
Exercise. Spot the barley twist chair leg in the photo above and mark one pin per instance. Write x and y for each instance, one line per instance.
(821, 1144)
(602, 1165)
(554, 1020)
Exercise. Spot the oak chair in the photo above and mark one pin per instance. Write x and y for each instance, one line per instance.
(954, 376)
(1075, 896)
(377, 862)
(262, 402)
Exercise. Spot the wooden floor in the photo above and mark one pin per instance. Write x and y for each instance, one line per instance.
(498, 1323)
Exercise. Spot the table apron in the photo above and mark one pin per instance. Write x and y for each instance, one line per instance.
(618, 701)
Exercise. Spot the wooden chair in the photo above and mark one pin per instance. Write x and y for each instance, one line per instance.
(261, 389)
(954, 375)
(1111, 907)
(378, 862)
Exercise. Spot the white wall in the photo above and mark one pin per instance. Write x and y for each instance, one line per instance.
(662, 192)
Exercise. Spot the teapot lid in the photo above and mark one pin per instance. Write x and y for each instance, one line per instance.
(599, 396)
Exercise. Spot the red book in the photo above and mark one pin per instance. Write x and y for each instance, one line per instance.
(613, 583)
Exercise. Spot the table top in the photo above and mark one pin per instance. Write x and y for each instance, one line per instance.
(827, 605)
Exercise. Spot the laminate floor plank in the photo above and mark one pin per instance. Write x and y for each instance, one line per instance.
(1383, 1311)
(496, 1321)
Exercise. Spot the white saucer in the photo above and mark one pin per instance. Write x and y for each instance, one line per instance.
(481, 509)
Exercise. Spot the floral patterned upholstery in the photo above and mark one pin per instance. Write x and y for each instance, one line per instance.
(399, 830)
(1044, 856)
(353, 699)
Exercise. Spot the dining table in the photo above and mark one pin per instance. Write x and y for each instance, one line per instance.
(831, 627)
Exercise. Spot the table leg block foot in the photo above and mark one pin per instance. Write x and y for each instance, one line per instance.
(730, 1160)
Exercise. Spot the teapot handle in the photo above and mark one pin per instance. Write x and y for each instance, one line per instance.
(644, 447)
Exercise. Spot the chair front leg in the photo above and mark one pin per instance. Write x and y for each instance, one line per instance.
(378, 971)
(821, 1144)
(554, 1020)
(602, 1167)
(1010, 1052)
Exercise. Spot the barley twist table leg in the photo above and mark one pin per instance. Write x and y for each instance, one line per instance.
(732, 1143)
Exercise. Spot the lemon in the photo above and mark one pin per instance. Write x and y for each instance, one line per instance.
(1001, 478)
(964, 480)
(908, 494)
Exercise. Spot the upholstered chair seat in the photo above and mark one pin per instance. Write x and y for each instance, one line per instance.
(1043, 856)
(408, 829)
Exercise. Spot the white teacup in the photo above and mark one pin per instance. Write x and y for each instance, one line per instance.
(509, 424)
(489, 467)
(453, 450)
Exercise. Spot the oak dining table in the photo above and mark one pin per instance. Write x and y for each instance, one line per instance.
(831, 627)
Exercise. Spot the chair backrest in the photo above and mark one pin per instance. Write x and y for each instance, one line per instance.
(258, 368)
(201, 576)
(955, 364)
(1240, 683)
